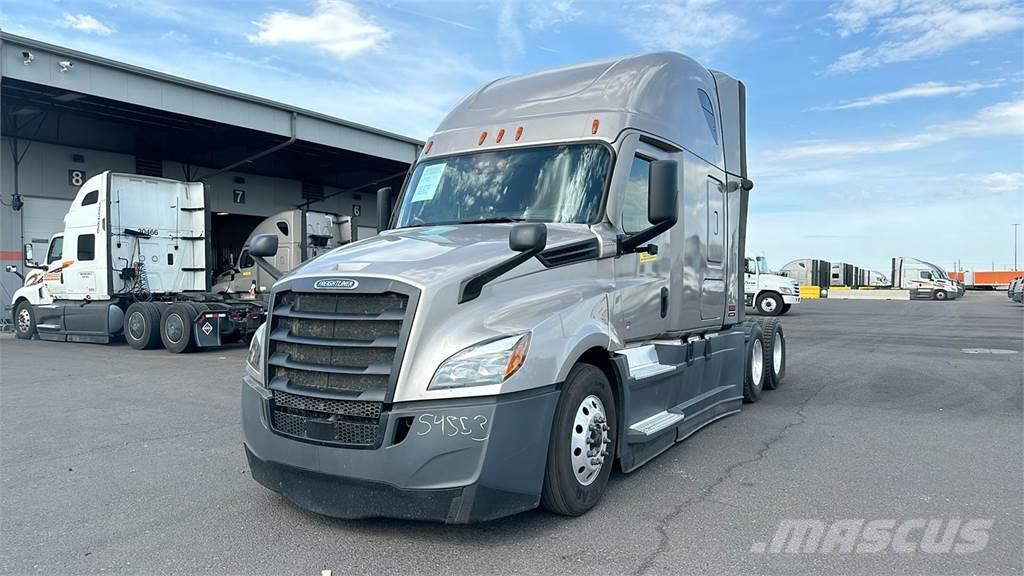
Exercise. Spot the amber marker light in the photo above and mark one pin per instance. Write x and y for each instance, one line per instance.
(518, 356)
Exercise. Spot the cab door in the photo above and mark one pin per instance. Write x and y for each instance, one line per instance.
(644, 281)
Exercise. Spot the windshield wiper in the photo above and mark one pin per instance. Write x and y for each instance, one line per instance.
(494, 220)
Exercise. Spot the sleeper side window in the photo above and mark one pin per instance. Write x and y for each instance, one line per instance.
(709, 113)
(634, 208)
(91, 198)
(87, 247)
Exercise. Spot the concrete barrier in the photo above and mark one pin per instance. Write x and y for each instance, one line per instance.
(874, 294)
(810, 292)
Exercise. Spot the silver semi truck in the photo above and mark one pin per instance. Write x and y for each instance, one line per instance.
(302, 235)
(559, 288)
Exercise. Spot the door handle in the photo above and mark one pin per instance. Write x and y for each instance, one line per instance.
(664, 302)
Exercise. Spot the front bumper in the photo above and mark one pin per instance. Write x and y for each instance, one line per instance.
(791, 298)
(461, 461)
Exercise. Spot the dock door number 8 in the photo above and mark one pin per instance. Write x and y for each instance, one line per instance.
(76, 177)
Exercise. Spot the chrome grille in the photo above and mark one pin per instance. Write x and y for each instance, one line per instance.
(323, 348)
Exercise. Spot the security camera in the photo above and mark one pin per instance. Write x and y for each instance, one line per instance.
(28, 57)
(65, 65)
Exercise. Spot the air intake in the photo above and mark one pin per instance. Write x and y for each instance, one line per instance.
(570, 253)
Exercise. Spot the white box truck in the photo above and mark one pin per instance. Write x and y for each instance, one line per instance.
(559, 289)
(769, 294)
(130, 262)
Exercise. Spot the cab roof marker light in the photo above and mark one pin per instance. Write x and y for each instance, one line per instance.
(501, 134)
(594, 126)
(519, 133)
(430, 144)
(483, 136)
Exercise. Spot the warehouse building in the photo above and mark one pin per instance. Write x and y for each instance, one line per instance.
(68, 115)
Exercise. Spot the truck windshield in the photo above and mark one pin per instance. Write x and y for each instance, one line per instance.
(547, 184)
(762, 265)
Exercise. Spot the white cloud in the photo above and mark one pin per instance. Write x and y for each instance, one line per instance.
(1003, 119)
(510, 36)
(546, 14)
(86, 23)
(335, 26)
(916, 29)
(921, 90)
(690, 26)
(1003, 181)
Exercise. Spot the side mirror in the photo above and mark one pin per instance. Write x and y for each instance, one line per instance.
(261, 246)
(383, 209)
(27, 254)
(662, 205)
(528, 237)
(264, 245)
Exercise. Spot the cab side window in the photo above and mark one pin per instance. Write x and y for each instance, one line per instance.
(926, 275)
(56, 250)
(634, 208)
(245, 260)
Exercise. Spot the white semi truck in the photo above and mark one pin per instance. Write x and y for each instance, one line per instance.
(302, 235)
(769, 294)
(130, 262)
(559, 289)
(923, 279)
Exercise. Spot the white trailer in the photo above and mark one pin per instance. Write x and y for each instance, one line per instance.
(131, 262)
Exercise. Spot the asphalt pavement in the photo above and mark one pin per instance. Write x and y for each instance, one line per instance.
(118, 461)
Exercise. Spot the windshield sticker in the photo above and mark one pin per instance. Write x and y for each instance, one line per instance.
(427, 185)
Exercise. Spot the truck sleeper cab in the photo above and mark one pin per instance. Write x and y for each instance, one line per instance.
(559, 288)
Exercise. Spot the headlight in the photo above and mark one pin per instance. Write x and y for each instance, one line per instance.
(254, 362)
(785, 290)
(487, 363)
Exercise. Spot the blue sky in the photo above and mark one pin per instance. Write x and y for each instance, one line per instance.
(876, 128)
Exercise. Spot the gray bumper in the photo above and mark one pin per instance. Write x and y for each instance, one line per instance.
(461, 461)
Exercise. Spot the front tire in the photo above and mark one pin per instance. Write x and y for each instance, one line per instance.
(582, 446)
(786, 308)
(176, 327)
(24, 321)
(754, 368)
(941, 295)
(769, 304)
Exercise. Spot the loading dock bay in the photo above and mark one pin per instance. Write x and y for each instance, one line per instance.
(135, 465)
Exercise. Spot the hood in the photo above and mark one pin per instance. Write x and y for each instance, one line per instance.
(778, 281)
(433, 254)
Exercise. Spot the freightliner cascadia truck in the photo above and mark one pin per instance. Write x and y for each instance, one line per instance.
(559, 287)
(130, 263)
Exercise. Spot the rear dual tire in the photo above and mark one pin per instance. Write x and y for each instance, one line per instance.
(774, 352)
(176, 327)
(754, 372)
(142, 325)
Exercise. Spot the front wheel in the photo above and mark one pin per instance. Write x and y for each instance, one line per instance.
(24, 321)
(786, 308)
(941, 295)
(769, 304)
(582, 446)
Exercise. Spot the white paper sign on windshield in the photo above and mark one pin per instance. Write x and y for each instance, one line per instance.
(426, 187)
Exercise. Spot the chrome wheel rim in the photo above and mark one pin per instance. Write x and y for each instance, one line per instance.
(777, 354)
(174, 328)
(136, 325)
(24, 320)
(757, 362)
(768, 305)
(588, 442)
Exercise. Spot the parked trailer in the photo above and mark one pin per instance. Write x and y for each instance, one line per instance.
(923, 279)
(809, 272)
(302, 235)
(482, 365)
(130, 262)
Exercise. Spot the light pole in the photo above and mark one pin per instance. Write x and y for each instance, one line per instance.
(1015, 228)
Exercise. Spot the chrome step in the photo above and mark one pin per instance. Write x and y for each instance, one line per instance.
(654, 424)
